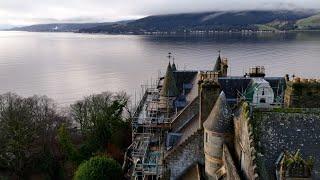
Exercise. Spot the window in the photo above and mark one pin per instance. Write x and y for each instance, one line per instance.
(262, 92)
(262, 100)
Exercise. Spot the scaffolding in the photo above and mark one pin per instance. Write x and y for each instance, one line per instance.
(149, 123)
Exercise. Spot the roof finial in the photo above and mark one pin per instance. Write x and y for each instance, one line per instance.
(219, 51)
(174, 68)
(169, 56)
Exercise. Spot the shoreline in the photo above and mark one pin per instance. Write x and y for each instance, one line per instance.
(174, 34)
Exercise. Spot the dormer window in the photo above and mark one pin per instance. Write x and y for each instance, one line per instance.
(259, 91)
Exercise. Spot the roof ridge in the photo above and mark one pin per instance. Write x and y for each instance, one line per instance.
(184, 110)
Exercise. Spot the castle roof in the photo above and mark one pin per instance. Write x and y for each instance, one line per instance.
(169, 88)
(286, 131)
(232, 86)
(173, 67)
(217, 66)
(219, 119)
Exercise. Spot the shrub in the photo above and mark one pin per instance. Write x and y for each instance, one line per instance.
(99, 168)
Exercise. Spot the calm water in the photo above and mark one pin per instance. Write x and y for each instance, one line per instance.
(67, 66)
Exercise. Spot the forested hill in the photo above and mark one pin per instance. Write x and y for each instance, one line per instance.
(190, 22)
(211, 21)
(63, 27)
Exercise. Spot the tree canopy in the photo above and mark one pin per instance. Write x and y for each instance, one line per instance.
(100, 118)
(36, 139)
(27, 132)
(99, 168)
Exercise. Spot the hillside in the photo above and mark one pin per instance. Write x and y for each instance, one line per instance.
(312, 22)
(63, 27)
(217, 21)
(190, 22)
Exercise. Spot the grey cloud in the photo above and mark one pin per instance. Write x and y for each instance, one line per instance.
(48, 11)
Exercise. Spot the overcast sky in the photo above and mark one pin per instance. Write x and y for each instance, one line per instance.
(25, 12)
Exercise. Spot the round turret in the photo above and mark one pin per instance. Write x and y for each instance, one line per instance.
(216, 130)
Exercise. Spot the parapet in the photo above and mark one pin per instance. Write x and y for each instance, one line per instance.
(209, 75)
(298, 80)
(302, 93)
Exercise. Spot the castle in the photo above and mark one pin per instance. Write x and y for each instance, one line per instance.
(208, 125)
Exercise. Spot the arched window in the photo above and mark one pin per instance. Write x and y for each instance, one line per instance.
(262, 100)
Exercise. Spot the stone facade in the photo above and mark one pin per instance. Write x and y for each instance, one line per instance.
(302, 93)
(231, 172)
(184, 156)
(243, 142)
(218, 130)
(213, 153)
(209, 93)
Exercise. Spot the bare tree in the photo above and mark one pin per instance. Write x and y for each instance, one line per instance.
(28, 127)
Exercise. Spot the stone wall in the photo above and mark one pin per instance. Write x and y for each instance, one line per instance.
(302, 94)
(243, 143)
(213, 150)
(229, 166)
(213, 153)
(187, 154)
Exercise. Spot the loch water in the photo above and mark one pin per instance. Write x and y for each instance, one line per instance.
(68, 66)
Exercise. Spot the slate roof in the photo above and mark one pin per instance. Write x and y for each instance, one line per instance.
(233, 85)
(192, 173)
(191, 127)
(173, 67)
(183, 80)
(217, 66)
(184, 77)
(287, 131)
(169, 88)
(219, 119)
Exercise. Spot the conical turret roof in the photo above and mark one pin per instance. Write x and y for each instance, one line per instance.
(217, 66)
(173, 67)
(219, 119)
(169, 88)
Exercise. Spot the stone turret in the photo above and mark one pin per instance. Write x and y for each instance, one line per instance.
(169, 88)
(217, 66)
(218, 130)
(173, 67)
(221, 66)
(209, 90)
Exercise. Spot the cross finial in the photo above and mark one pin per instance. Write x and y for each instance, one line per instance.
(169, 56)
(219, 52)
